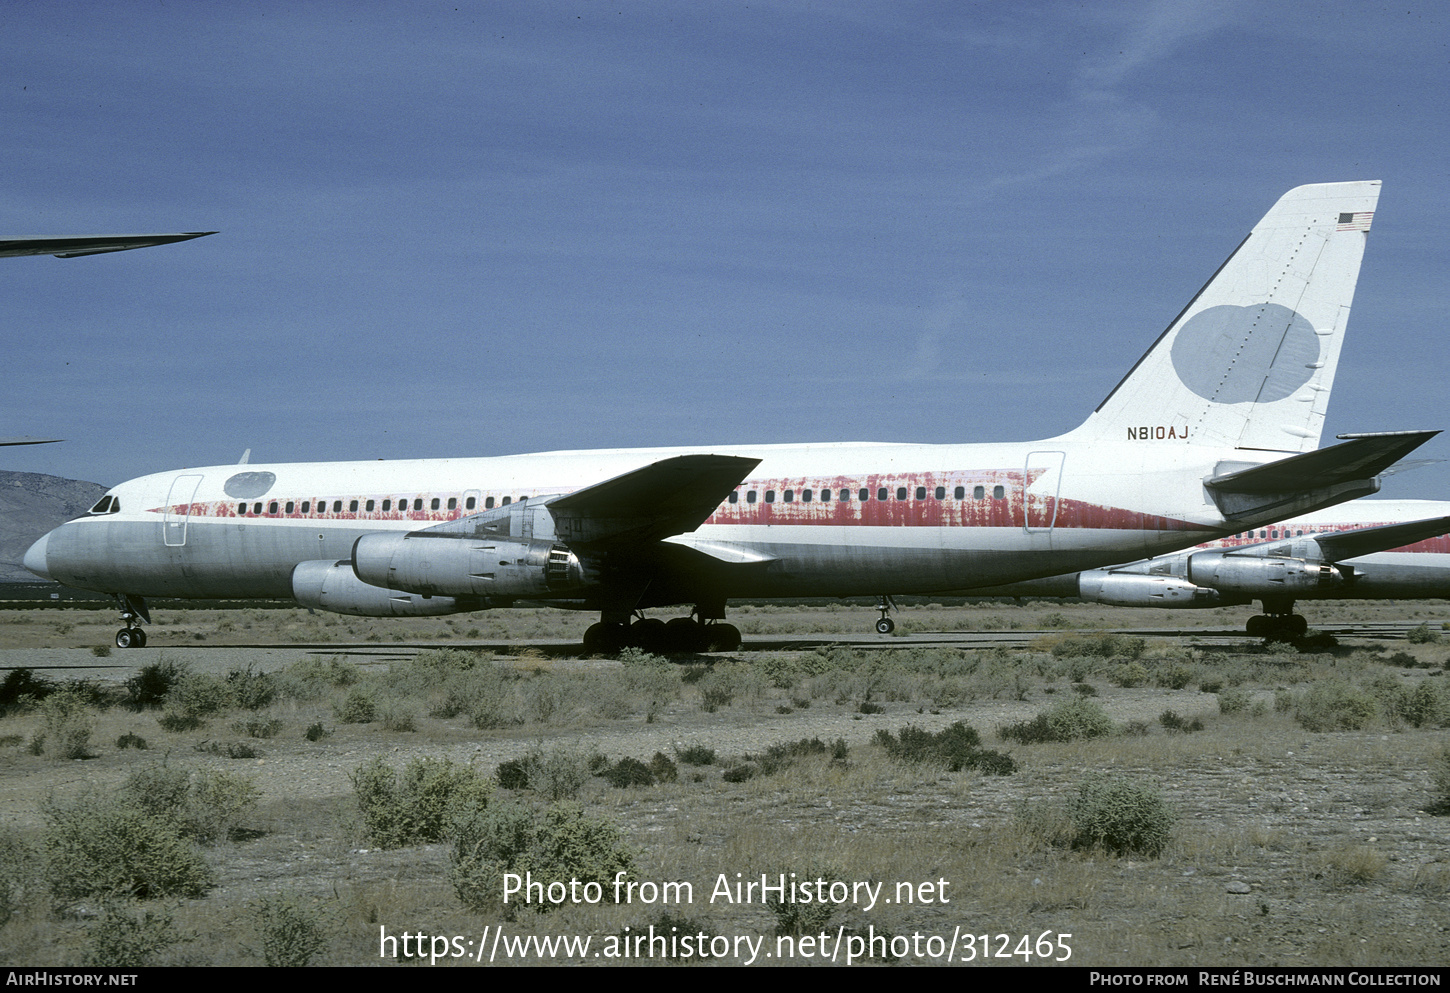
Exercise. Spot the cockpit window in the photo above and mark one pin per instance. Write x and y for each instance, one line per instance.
(106, 505)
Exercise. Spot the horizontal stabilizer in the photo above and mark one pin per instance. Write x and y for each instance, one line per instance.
(1363, 457)
(29, 441)
(673, 496)
(70, 248)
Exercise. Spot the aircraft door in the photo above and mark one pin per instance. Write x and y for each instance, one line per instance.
(178, 509)
(1041, 483)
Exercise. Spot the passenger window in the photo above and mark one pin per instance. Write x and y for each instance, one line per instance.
(770, 496)
(507, 501)
(488, 503)
(750, 497)
(470, 503)
(369, 507)
(306, 506)
(941, 492)
(998, 493)
(901, 493)
(434, 504)
(337, 506)
(290, 507)
(241, 509)
(959, 492)
(734, 496)
(351, 506)
(452, 503)
(881, 493)
(789, 496)
(805, 496)
(387, 506)
(865, 494)
(272, 507)
(825, 496)
(978, 493)
(921, 492)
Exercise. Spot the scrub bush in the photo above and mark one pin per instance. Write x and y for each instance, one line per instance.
(251, 690)
(17, 863)
(102, 847)
(1440, 775)
(120, 939)
(291, 933)
(1332, 705)
(1070, 720)
(150, 686)
(204, 805)
(695, 755)
(417, 805)
(562, 843)
(629, 772)
(1120, 816)
(357, 708)
(957, 747)
(67, 724)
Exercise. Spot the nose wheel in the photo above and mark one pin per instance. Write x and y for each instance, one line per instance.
(885, 625)
(133, 615)
(131, 638)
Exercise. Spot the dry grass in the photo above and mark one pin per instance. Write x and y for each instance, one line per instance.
(1328, 834)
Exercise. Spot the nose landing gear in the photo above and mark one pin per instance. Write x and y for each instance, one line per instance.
(133, 615)
(886, 625)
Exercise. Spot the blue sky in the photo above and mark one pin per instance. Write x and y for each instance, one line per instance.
(474, 229)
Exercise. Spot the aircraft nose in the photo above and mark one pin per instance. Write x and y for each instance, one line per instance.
(35, 559)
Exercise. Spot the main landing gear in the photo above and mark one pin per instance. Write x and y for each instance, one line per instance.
(678, 635)
(1278, 622)
(886, 625)
(133, 615)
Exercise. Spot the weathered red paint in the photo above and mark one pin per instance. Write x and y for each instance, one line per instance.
(1008, 511)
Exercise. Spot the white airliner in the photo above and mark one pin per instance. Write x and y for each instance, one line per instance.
(1361, 550)
(1215, 430)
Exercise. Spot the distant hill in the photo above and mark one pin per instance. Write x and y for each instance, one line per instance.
(30, 505)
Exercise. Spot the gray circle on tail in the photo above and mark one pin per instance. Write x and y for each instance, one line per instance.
(1268, 350)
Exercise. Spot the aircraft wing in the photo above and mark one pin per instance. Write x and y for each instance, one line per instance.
(29, 441)
(669, 497)
(70, 248)
(665, 498)
(1335, 546)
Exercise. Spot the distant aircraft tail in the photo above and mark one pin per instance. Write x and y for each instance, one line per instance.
(1250, 361)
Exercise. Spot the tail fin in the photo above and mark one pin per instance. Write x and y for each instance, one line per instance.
(1250, 361)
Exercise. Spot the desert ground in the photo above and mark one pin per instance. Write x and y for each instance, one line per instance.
(1284, 804)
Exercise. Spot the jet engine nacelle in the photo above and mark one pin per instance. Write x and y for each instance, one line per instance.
(1259, 576)
(1125, 589)
(327, 585)
(453, 565)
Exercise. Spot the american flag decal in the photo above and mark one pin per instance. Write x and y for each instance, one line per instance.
(1355, 222)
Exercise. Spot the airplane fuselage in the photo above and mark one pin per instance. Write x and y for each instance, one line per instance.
(824, 520)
